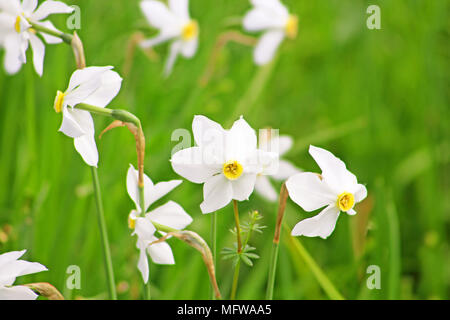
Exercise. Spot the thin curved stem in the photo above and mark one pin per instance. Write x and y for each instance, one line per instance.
(104, 235)
(214, 246)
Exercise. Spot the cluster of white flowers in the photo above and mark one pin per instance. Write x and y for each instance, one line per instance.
(17, 32)
(228, 162)
(174, 23)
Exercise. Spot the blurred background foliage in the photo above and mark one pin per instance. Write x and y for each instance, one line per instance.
(378, 99)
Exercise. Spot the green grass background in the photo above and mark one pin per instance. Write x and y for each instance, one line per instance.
(378, 99)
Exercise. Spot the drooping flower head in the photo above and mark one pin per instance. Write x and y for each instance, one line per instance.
(11, 268)
(226, 161)
(170, 214)
(273, 18)
(16, 31)
(175, 24)
(95, 86)
(336, 188)
(270, 141)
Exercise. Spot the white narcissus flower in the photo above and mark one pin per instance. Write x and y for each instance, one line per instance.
(271, 17)
(336, 188)
(95, 86)
(283, 169)
(16, 31)
(226, 161)
(11, 268)
(174, 23)
(170, 214)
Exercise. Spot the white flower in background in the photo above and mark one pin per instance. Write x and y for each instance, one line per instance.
(16, 31)
(226, 161)
(174, 23)
(95, 86)
(170, 214)
(11, 268)
(284, 169)
(336, 188)
(271, 17)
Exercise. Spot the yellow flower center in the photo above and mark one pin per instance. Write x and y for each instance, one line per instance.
(232, 170)
(131, 223)
(291, 27)
(59, 99)
(190, 30)
(17, 24)
(345, 201)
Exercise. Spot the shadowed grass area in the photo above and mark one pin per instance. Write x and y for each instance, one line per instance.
(378, 99)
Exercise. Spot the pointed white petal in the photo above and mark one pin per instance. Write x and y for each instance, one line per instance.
(241, 141)
(29, 6)
(38, 53)
(13, 46)
(309, 191)
(188, 48)
(144, 230)
(285, 143)
(360, 193)
(161, 253)
(10, 256)
(174, 50)
(207, 131)
(265, 188)
(160, 38)
(157, 14)
(333, 170)
(321, 225)
(267, 46)
(87, 148)
(194, 164)
(70, 125)
(85, 75)
(243, 186)
(285, 170)
(11, 6)
(143, 264)
(50, 7)
(261, 19)
(217, 193)
(133, 188)
(275, 7)
(17, 293)
(171, 215)
(160, 190)
(180, 8)
(351, 212)
(109, 88)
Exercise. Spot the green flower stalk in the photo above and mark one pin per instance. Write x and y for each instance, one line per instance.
(276, 242)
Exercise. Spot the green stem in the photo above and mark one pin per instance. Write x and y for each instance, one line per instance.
(104, 236)
(67, 38)
(239, 250)
(235, 280)
(214, 247)
(238, 226)
(117, 114)
(276, 242)
(272, 271)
